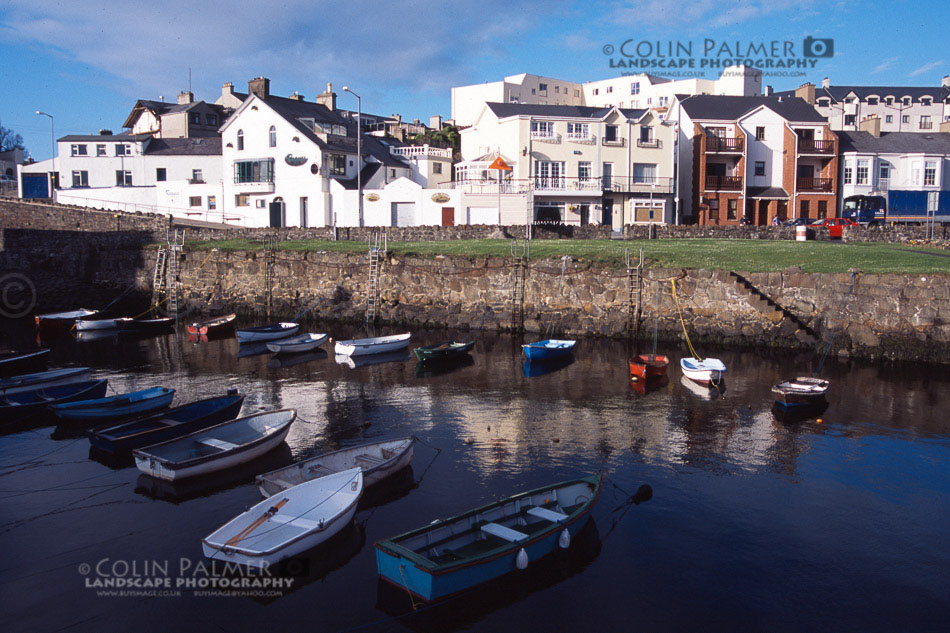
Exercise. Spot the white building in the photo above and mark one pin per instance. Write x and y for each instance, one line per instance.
(570, 164)
(635, 91)
(874, 162)
(899, 108)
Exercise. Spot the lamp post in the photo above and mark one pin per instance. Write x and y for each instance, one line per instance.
(359, 152)
(52, 148)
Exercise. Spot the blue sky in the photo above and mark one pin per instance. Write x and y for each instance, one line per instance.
(86, 62)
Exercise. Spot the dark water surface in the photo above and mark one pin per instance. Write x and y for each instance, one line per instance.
(756, 523)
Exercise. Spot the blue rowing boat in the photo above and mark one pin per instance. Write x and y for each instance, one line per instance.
(451, 555)
(24, 405)
(167, 425)
(548, 349)
(115, 407)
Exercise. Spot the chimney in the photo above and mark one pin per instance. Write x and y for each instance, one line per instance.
(435, 121)
(415, 121)
(807, 92)
(328, 98)
(872, 125)
(259, 86)
(227, 89)
(185, 97)
(296, 96)
(945, 82)
(768, 91)
(825, 83)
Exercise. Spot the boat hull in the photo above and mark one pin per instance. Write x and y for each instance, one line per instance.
(801, 392)
(87, 410)
(86, 325)
(366, 347)
(705, 373)
(444, 351)
(542, 351)
(60, 322)
(432, 584)
(213, 326)
(12, 413)
(14, 364)
(31, 382)
(293, 346)
(257, 335)
(145, 325)
(648, 367)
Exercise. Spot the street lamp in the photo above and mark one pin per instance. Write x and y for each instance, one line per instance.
(52, 149)
(359, 146)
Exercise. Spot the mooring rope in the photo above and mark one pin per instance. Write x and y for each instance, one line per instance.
(683, 323)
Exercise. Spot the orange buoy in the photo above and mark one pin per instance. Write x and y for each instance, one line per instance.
(818, 420)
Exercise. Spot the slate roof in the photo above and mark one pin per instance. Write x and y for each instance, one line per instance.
(369, 170)
(292, 111)
(731, 108)
(766, 192)
(895, 142)
(504, 110)
(113, 138)
(161, 107)
(838, 93)
(207, 146)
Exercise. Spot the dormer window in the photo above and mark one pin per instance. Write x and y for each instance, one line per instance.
(888, 100)
(824, 103)
(872, 101)
(195, 118)
(849, 100)
(926, 101)
(906, 101)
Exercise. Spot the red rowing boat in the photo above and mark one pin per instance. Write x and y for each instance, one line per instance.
(212, 326)
(647, 366)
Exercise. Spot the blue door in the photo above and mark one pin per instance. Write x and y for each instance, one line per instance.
(35, 186)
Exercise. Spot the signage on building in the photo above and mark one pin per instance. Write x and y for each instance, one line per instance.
(440, 197)
(295, 161)
(315, 169)
(372, 197)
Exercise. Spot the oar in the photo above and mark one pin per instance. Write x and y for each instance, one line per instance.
(257, 523)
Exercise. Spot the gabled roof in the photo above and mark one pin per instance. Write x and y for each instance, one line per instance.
(505, 110)
(733, 108)
(838, 93)
(209, 146)
(158, 108)
(369, 170)
(895, 142)
(112, 138)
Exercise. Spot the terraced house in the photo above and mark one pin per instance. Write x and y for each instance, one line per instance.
(753, 159)
(571, 164)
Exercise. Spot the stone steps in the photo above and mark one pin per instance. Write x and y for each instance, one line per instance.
(773, 311)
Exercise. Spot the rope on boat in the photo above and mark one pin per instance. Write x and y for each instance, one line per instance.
(438, 451)
(683, 323)
(406, 585)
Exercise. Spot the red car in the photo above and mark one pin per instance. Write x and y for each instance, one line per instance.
(834, 225)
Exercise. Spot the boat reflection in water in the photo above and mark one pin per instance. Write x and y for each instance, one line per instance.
(176, 492)
(643, 387)
(533, 369)
(466, 609)
(791, 415)
(706, 392)
(397, 356)
(282, 361)
(433, 368)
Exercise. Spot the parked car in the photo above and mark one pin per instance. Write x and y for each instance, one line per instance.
(797, 222)
(834, 225)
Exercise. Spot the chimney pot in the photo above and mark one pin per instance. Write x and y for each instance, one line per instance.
(825, 83)
(945, 82)
(259, 86)
(185, 97)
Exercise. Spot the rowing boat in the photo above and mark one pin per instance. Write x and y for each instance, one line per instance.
(443, 351)
(267, 332)
(297, 344)
(51, 378)
(548, 349)
(24, 405)
(213, 326)
(116, 407)
(707, 371)
(374, 345)
(13, 363)
(800, 392)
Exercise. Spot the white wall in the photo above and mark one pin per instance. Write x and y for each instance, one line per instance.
(770, 150)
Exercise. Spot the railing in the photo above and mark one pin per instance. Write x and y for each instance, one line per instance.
(211, 215)
(926, 125)
(581, 137)
(658, 185)
(811, 146)
(560, 183)
(654, 143)
(726, 183)
(196, 181)
(723, 144)
(883, 183)
(546, 137)
(410, 151)
(816, 184)
(616, 142)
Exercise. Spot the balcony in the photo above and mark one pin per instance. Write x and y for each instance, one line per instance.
(723, 144)
(616, 142)
(196, 181)
(649, 143)
(560, 184)
(587, 139)
(640, 184)
(416, 151)
(723, 183)
(545, 137)
(811, 146)
(926, 125)
(821, 185)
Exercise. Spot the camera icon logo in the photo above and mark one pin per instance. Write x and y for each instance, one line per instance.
(818, 47)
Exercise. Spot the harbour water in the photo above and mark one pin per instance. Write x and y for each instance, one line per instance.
(757, 522)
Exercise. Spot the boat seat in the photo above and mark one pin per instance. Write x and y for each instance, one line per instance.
(320, 469)
(369, 460)
(213, 443)
(548, 515)
(502, 532)
(289, 519)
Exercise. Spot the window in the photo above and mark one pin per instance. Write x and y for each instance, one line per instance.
(714, 209)
(78, 150)
(930, 174)
(577, 93)
(436, 167)
(533, 91)
(644, 173)
(578, 130)
(272, 137)
(885, 173)
(925, 123)
(871, 102)
(196, 176)
(194, 118)
(100, 150)
(610, 89)
(803, 210)
(849, 100)
(861, 176)
(905, 118)
(849, 119)
(926, 101)
(542, 129)
(824, 103)
(123, 178)
(888, 118)
(194, 201)
(337, 164)
(254, 170)
(906, 101)
(760, 133)
(915, 172)
(212, 120)
(543, 87)
(822, 209)
(847, 173)
(80, 179)
(303, 211)
(392, 173)
(557, 89)
(212, 203)
(664, 101)
(889, 101)
(241, 200)
(240, 140)
(596, 91)
(760, 168)
(583, 170)
(160, 175)
(610, 133)
(635, 88)
(732, 210)
(121, 149)
(646, 134)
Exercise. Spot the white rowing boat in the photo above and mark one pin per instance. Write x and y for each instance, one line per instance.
(297, 344)
(288, 523)
(706, 371)
(85, 325)
(378, 461)
(375, 345)
(267, 332)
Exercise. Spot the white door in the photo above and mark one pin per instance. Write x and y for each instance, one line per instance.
(404, 214)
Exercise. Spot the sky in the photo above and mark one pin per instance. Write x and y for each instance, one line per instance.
(86, 62)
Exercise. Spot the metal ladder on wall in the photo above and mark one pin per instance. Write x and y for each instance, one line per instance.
(634, 293)
(519, 253)
(378, 245)
(175, 248)
(270, 275)
(160, 278)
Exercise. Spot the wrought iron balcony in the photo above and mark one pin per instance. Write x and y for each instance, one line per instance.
(723, 144)
(811, 146)
(724, 183)
(824, 185)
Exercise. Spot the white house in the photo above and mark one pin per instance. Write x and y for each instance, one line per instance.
(874, 162)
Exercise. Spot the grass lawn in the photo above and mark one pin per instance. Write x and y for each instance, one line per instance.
(739, 255)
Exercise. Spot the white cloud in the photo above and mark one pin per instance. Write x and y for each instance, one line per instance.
(702, 14)
(885, 65)
(926, 68)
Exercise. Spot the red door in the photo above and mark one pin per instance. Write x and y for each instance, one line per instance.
(834, 229)
(448, 216)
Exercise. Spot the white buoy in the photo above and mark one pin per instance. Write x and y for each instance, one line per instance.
(564, 541)
(521, 560)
